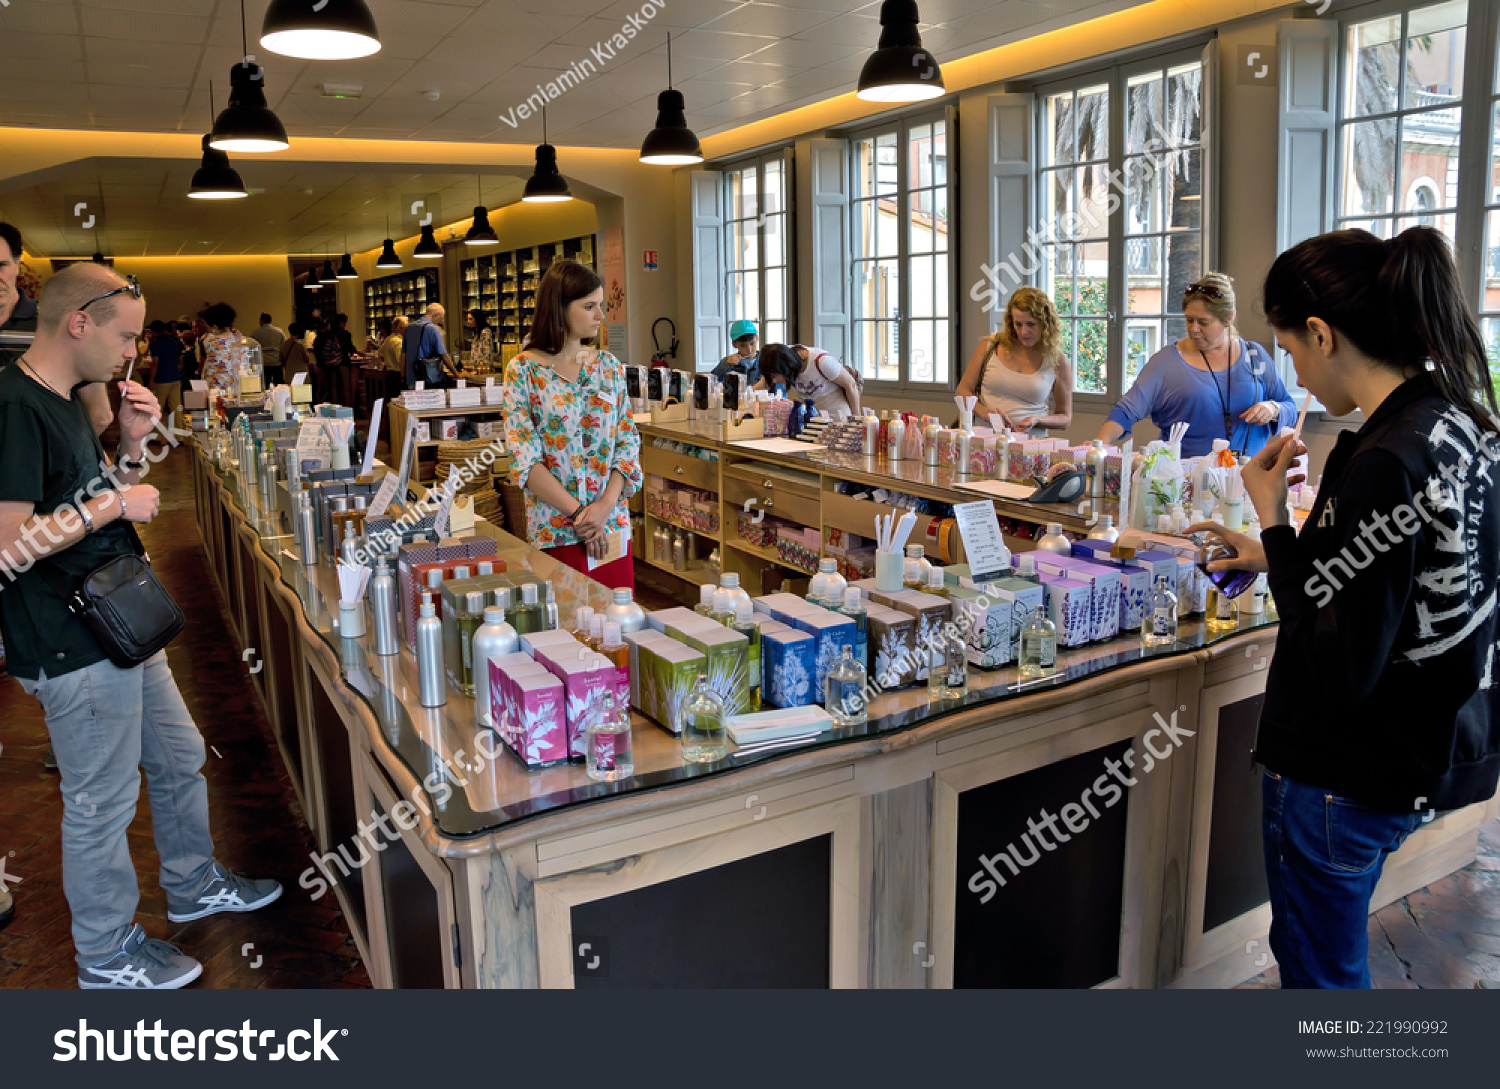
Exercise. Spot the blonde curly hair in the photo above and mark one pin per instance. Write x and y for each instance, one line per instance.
(1033, 301)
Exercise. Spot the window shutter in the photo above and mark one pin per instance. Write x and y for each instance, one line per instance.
(830, 246)
(709, 326)
(1011, 130)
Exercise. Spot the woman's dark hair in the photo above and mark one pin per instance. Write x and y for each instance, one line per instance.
(383, 327)
(159, 328)
(779, 361)
(219, 315)
(563, 284)
(1399, 302)
(295, 330)
(479, 319)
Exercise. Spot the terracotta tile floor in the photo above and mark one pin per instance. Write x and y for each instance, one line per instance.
(257, 823)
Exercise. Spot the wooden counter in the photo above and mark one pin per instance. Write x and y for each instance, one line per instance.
(851, 861)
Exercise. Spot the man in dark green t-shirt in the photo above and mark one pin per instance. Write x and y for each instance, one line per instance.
(65, 508)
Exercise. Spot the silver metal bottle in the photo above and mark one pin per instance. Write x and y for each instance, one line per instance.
(432, 680)
(383, 609)
(307, 531)
(492, 638)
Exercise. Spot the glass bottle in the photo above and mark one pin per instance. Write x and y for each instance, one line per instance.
(853, 607)
(527, 616)
(609, 754)
(730, 581)
(723, 610)
(551, 619)
(918, 553)
(1026, 569)
(596, 632)
(1160, 625)
(1038, 646)
(1223, 611)
(845, 695)
(1054, 541)
(911, 575)
(612, 646)
(469, 622)
(705, 604)
(936, 583)
(705, 737)
(956, 657)
(744, 623)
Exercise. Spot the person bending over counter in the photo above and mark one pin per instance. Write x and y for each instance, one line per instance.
(811, 374)
(746, 341)
(573, 444)
(1224, 386)
(1022, 372)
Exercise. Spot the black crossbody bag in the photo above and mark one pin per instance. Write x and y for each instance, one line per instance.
(124, 604)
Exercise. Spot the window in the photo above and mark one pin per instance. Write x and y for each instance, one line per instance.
(1489, 284)
(1399, 120)
(1123, 221)
(899, 254)
(755, 245)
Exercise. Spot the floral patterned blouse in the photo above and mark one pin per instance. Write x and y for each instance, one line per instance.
(224, 361)
(579, 431)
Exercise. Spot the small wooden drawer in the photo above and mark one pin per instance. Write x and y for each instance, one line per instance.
(858, 516)
(680, 468)
(773, 496)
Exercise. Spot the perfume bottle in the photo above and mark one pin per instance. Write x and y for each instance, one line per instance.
(1038, 646)
(1223, 611)
(1233, 583)
(492, 638)
(845, 695)
(936, 584)
(956, 658)
(469, 622)
(744, 623)
(705, 604)
(853, 607)
(1160, 625)
(596, 632)
(527, 617)
(705, 737)
(609, 755)
(432, 685)
(612, 646)
(912, 577)
(550, 618)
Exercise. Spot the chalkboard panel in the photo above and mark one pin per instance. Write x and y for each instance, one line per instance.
(1236, 879)
(1055, 922)
(761, 921)
(414, 929)
(340, 815)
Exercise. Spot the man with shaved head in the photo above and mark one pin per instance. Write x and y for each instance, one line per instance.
(427, 358)
(65, 509)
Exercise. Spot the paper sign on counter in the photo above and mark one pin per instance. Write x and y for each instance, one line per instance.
(984, 547)
(383, 496)
(445, 507)
(300, 378)
(369, 462)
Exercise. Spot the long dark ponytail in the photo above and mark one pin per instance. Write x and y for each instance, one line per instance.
(1399, 302)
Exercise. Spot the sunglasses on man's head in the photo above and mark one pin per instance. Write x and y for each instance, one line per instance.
(1208, 291)
(131, 287)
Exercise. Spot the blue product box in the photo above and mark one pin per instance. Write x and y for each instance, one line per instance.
(786, 661)
(832, 631)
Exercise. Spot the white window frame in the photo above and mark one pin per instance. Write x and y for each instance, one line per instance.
(784, 223)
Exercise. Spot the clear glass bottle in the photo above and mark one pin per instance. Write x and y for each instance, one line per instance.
(936, 583)
(1026, 569)
(730, 581)
(844, 697)
(956, 657)
(705, 604)
(705, 737)
(609, 754)
(1038, 646)
(527, 616)
(1054, 541)
(853, 607)
(1160, 626)
(911, 575)
(744, 623)
(1223, 611)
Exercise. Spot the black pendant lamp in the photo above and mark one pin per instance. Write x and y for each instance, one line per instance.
(346, 267)
(328, 276)
(546, 183)
(215, 179)
(901, 69)
(247, 123)
(331, 30)
(480, 232)
(388, 258)
(671, 142)
(427, 245)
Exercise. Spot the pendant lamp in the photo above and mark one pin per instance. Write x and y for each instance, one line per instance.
(480, 232)
(346, 267)
(901, 69)
(388, 258)
(427, 245)
(215, 179)
(247, 123)
(546, 182)
(331, 30)
(671, 142)
(328, 276)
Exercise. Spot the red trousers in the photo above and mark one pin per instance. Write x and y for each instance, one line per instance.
(617, 574)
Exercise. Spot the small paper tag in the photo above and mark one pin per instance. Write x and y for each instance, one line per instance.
(298, 379)
(463, 383)
(383, 496)
(421, 384)
(369, 462)
(489, 383)
(445, 507)
(199, 384)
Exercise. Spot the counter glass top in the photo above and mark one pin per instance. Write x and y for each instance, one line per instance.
(474, 784)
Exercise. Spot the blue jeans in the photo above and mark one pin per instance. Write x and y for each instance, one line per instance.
(1324, 854)
(106, 723)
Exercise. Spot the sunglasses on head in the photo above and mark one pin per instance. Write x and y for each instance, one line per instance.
(131, 287)
(1208, 291)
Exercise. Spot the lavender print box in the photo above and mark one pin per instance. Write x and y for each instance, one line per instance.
(1068, 608)
(787, 660)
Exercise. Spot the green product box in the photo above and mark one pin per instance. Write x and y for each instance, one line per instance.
(669, 670)
(727, 656)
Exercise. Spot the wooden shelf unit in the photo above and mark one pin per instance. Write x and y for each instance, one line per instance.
(401, 294)
(503, 284)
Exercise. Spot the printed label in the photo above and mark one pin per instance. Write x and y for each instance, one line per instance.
(1049, 653)
(1161, 621)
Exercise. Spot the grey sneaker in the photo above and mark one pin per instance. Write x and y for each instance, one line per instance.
(225, 891)
(7, 906)
(49, 760)
(143, 963)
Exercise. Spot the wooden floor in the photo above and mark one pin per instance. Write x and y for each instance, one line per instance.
(258, 826)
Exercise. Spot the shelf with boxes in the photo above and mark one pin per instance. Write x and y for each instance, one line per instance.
(682, 524)
(503, 285)
(400, 295)
(438, 416)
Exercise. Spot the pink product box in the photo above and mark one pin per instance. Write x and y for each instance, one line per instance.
(799, 547)
(502, 668)
(947, 445)
(585, 680)
(1021, 459)
(540, 732)
(983, 459)
(1112, 466)
(775, 414)
(1068, 604)
(548, 651)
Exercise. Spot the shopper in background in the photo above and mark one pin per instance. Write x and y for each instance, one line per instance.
(166, 378)
(1381, 704)
(328, 354)
(481, 342)
(106, 722)
(268, 336)
(224, 361)
(349, 368)
(1022, 372)
(391, 330)
(573, 444)
(746, 341)
(811, 374)
(424, 352)
(294, 358)
(1224, 386)
(17, 311)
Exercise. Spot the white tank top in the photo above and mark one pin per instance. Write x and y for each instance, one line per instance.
(1014, 393)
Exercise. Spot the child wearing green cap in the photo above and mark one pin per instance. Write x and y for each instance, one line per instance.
(744, 359)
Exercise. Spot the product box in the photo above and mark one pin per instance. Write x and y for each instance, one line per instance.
(726, 654)
(301, 395)
(892, 641)
(668, 671)
(195, 399)
(787, 661)
(661, 619)
(422, 432)
(1135, 581)
(1195, 599)
(447, 429)
(1104, 590)
(992, 620)
(502, 709)
(832, 631)
(465, 397)
(494, 394)
(414, 399)
(1069, 608)
(783, 607)
(634, 640)
(585, 677)
(931, 613)
(1025, 596)
(552, 644)
(540, 734)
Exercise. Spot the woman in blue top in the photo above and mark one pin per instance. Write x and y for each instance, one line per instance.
(1223, 385)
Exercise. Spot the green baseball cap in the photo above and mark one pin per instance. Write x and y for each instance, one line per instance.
(742, 328)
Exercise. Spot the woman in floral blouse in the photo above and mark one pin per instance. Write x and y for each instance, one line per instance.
(573, 445)
(223, 360)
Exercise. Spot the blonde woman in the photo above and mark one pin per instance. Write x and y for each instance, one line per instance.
(1021, 372)
(1224, 386)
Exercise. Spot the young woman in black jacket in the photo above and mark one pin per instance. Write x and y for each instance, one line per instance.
(1383, 700)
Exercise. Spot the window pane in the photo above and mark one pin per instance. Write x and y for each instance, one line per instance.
(1490, 301)
(940, 287)
(1495, 155)
(1091, 353)
(1369, 160)
(1092, 190)
(1185, 189)
(940, 153)
(1059, 189)
(775, 296)
(922, 286)
(864, 214)
(1142, 196)
(1057, 277)
(920, 222)
(1184, 104)
(940, 352)
(919, 156)
(1370, 68)
(1060, 128)
(1093, 278)
(1435, 54)
(1429, 159)
(1092, 118)
(921, 351)
(877, 289)
(774, 233)
(1183, 254)
(1142, 339)
(738, 307)
(1143, 113)
(1143, 272)
(775, 332)
(774, 191)
(1492, 342)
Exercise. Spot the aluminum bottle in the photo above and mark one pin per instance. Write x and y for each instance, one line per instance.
(494, 637)
(383, 609)
(307, 531)
(432, 680)
(895, 436)
(625, 612)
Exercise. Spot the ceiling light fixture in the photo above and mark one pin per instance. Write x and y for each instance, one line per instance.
(480, 232)
(341, 90)
(331, 30)
(347, 270)
(328, 276)
(901, 69)
(215, 179)
(388, 258)
(671, 142)
(546, 183)
(247, 123)
(427, 245)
